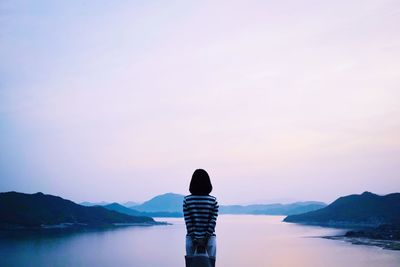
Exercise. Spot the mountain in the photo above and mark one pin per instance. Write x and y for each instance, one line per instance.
(103, 203)
(91, 204)
(168, 202)
(171, 214)
(273, 209)
(170, 205)
(40, 210)
(130, 204)
(367, 209)
(122, 209)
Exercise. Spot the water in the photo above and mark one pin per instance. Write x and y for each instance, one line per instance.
(242, 240)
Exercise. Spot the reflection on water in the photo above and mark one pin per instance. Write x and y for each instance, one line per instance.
(243, 240)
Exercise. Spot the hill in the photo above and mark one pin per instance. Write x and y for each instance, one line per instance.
(367, 209)
(40, 210)
(122, 209)
(90, 204)
(130, 204)
(170, 205)
(273, 209)
(169, 202)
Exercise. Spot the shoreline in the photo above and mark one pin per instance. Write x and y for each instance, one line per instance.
(360, 234)
(382, 243)
(337, 225)
(77, 226)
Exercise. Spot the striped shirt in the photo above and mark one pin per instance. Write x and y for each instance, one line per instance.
(200, 213)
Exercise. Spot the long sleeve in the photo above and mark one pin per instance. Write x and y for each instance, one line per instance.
(187, 217)
(213, 219)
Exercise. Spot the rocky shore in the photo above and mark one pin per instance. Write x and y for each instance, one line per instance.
(386, 236)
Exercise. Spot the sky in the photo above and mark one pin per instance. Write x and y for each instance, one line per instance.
(122, 100)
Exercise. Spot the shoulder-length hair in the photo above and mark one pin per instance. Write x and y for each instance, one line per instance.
(200, 184)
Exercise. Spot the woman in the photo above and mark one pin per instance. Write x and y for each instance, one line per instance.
(200, 211)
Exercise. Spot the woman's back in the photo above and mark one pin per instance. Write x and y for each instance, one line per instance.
(200, 213)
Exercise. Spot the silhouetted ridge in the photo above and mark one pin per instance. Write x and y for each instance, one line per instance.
(170, 205)
(367, 209)
(36, 210)
(272, 209)
(169, 202)
(122, 209)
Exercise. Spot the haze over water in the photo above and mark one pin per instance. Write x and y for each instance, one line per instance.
(243, 240)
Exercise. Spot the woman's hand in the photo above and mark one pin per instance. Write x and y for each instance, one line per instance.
(202, 242)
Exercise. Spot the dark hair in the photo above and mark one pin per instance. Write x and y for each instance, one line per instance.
(200, 184)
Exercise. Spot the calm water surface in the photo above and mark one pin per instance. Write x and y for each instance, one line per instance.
(243, 240)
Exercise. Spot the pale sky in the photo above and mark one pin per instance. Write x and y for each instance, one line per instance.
(123, 100)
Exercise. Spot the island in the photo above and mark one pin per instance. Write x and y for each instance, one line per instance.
(373, 219)
(42, 211)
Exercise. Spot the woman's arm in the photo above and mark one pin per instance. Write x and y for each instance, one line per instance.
(213, 219)
(187, 217)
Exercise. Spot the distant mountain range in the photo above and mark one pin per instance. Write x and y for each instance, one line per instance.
(122, 209)
(166, 205)
(19, 210)
(367, 209)
(91, 204)
(273, 209)
(169, 202)
(130, 203)
(170, 205)
(103, 203)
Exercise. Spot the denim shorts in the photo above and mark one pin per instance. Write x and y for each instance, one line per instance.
(211, 246)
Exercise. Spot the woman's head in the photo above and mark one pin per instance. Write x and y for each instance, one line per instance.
(200, 183)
